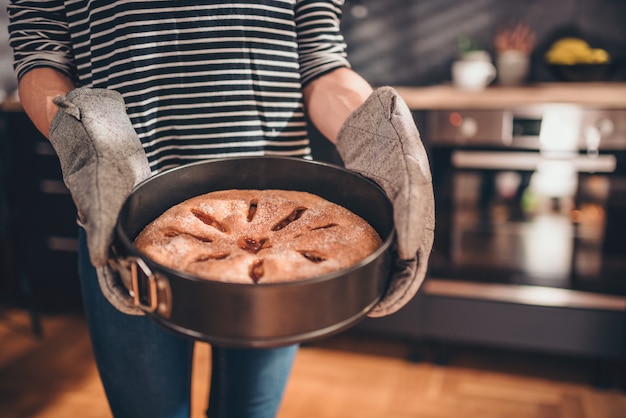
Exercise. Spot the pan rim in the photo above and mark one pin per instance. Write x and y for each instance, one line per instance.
(386, 245)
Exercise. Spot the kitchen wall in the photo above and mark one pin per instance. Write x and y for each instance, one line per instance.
(7, 79)
(413, 42)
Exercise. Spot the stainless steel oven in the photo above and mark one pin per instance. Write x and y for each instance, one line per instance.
(530, 238)
(533, 196)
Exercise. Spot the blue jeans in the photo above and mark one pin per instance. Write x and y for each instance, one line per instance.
(146, 369)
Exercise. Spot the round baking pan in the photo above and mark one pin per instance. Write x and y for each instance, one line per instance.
(261, 315)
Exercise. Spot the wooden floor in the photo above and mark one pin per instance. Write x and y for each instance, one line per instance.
(349, 376)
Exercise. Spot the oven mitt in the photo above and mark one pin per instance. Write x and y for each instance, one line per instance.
(381, 142)
(102, 159)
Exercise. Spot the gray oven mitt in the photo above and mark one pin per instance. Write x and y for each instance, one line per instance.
(102, 159)
(381, 142)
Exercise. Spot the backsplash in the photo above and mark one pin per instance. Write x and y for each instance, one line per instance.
(413, 42)
(7, 79)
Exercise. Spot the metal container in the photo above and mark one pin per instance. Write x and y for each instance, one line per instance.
(265, 315)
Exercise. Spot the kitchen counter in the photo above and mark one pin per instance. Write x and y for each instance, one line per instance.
(600, 95)
(10, 105)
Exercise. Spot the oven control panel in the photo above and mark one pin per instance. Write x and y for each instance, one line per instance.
(461, 127)
(563, 127)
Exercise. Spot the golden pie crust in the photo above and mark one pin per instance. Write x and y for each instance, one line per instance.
(258, 236)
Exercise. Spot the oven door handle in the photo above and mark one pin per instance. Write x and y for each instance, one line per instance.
(529, 161)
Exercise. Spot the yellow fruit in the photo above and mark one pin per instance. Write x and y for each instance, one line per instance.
(571, 51)
(564, 57)
(571, 43)
(599, 56)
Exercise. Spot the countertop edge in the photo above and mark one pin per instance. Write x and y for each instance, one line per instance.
(600, 95)
(604, 95)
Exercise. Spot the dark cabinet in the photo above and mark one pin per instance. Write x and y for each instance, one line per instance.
(39, 230)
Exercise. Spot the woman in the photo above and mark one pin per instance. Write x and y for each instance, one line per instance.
(126, 89)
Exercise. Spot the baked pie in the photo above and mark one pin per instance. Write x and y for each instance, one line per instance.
(258, 236)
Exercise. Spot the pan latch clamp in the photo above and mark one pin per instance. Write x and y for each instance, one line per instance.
(150, 292)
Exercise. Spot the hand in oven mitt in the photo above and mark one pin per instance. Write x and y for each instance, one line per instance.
(102, 159)
(381, 142)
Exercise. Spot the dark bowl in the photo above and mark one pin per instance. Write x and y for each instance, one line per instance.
(582, 72)
(248, 315)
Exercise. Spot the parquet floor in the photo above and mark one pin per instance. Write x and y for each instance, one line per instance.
(348, 376)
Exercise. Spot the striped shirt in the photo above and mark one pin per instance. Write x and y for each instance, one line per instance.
(201, 79)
